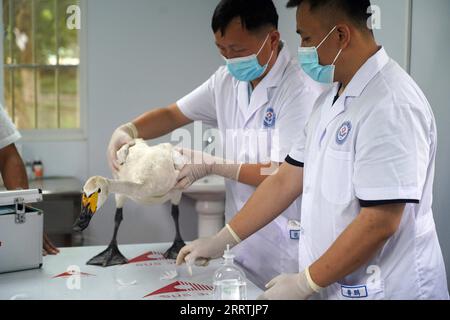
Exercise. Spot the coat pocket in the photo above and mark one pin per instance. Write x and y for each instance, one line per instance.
(337, 187)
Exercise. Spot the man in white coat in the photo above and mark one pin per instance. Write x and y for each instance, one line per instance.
(259, 102)
(365, 167)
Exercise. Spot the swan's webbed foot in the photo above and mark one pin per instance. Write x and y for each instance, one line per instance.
(108, 258)
(172, 252)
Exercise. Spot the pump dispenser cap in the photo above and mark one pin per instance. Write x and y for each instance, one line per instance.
(228, 254)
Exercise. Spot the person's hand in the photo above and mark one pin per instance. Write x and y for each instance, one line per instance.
(201, 164)
(198, 165)
(290, 287)
(202, 250)
(123, 135)
(48, 247)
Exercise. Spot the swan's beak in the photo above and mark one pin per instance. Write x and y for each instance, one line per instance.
(88, 209)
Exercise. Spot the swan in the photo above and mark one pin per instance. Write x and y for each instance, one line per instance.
(147, 176)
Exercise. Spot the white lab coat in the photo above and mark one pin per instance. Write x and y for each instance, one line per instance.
(378, 142)
(278, 109)
(8, 132)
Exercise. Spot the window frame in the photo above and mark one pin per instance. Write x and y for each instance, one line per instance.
(59, 134)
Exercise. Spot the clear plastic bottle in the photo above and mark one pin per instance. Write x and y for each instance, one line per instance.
(229, 280)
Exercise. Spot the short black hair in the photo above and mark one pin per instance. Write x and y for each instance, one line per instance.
(254, 14)
(356, 10)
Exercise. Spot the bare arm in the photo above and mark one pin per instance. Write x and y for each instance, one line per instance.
(273, 196)
(255, 174)
(357, 244)
(12, 169)
(159, 122)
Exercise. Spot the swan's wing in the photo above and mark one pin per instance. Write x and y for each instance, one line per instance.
(179, 160)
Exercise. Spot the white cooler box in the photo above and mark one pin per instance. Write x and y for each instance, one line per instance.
(21, 231)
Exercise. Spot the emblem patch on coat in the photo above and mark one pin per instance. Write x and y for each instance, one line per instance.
(270, 118)
(343, 132)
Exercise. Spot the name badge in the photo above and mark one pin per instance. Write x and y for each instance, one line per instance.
(354, 292)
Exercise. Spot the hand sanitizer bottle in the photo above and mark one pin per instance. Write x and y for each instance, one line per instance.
(229, 280)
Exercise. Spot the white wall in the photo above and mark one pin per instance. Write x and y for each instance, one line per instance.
(430, 66)
(394, 32)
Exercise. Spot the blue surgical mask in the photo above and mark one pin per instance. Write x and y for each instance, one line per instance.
(308, 59)
(248, 68)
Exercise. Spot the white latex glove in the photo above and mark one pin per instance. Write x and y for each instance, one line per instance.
(290, 287)
(202, 250)
(200, 165)
(123, 135)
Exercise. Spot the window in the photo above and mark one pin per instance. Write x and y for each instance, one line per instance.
(41, 65)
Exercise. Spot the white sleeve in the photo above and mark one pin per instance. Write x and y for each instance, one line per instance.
(392, 154)
(199, 105)
(293, 118)
(296, 155)
(8, 132)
